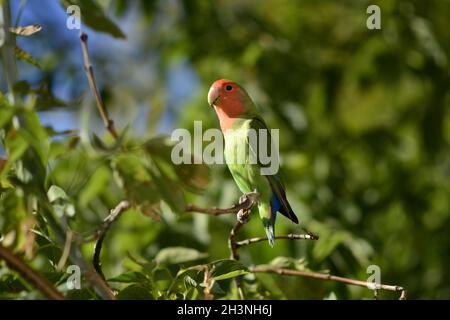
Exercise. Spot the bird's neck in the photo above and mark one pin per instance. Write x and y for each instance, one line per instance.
(228, 115)
(227, 118)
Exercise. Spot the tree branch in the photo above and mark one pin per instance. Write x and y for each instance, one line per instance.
(107, 121)
(234, 255)
(101, 233)
(246, 204)
(329, 277)
(287, 237)
(34, 277)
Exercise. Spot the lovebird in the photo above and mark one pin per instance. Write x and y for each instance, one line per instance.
(237, 116)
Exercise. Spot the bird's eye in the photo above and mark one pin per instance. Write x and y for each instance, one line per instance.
(229, 88)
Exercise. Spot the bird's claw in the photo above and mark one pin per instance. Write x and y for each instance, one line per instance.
(252, 196)
(243, 216)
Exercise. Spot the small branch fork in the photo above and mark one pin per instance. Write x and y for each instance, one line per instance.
(101, 233)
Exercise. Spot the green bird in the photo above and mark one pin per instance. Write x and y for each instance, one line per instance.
(239, 121)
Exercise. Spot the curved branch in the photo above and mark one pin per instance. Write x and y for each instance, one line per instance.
(329, 277)
(34, 277)
(101, 233)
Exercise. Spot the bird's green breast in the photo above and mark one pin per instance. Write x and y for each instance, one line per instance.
(237, 155)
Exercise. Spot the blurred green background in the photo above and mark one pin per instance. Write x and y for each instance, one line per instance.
(364, 123)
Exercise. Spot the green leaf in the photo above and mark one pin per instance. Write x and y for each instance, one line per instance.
(162, 278)
(26, 57)
(289, 263)
(170, 190)
(130, 277)
(6, 114)
(194, 177)
(131, 173)
(60, 201)
(226, 268)
(93, 16)
(97, 143)
(12, 211)
(135, 292)
(330, 296)
(16, 145)
(97, 183)
(176, 255)
(81, 294)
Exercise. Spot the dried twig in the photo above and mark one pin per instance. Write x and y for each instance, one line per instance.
(329, 277)
(107, 121)
(34, 277)
(101, 233)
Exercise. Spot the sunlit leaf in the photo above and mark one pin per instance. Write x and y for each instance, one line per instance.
(177, 255)
(60, 201)
(26, 31)
(225, 269)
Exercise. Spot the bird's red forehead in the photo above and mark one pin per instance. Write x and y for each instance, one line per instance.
(222, 82)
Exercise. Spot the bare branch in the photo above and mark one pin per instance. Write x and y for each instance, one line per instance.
(101, 233)
(232, 244)
(107, 121)
(245, 205)
(287, 237)
(329, 277)
(34, 277)
(234, 255)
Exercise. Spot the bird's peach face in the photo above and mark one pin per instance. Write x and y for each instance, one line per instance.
(222, 91)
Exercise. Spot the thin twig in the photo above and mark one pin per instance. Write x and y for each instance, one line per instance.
(247, 242)
(34, 277)
(219, 211)
(107, 121)
(329, 277)
(232, 244)
(66, 251)
(235, 256)
(101, 233)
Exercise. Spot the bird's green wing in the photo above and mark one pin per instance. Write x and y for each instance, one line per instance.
(274, 180)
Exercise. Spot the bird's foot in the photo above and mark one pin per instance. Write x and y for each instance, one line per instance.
(243, 216)
(251, 197)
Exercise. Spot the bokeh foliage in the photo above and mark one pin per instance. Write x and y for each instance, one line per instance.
(364, 122)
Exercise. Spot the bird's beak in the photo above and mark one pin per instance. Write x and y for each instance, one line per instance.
(213, 95)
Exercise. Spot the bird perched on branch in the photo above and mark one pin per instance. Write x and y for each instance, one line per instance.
(246, 136)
